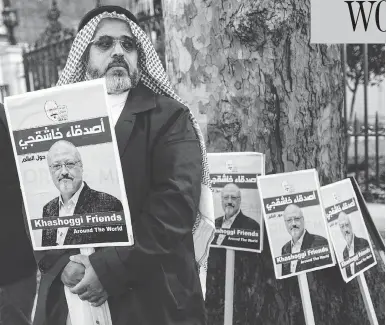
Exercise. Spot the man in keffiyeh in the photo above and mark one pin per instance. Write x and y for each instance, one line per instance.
(161, 280)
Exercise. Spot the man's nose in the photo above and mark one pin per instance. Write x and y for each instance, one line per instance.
(63, 170)
(117, 49)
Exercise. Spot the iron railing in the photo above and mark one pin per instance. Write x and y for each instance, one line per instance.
(365, 142)
(43, 65)
(366, 145)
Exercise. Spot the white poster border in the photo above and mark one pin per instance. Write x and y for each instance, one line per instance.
(41, 93)
(306, 171)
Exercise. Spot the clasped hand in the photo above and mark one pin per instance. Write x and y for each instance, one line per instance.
(82, 280)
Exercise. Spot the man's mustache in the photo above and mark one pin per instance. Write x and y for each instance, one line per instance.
(294, 227)
(65, 177)
(347, 233)
(230, 205)
(118, 62)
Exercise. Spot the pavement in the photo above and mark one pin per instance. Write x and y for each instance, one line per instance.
(377, 212)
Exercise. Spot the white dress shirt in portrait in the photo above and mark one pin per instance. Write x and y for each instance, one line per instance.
(351, 254)
(295, 248)
(67, 210)
(227, 224)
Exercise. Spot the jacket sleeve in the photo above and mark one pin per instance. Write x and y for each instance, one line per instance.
(53, 261)
(15, 246)
(168, 214)
(11, 197)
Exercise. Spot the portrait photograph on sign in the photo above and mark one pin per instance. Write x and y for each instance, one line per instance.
(353, 249)
(294, 219)
(69, 167)
(237, 207)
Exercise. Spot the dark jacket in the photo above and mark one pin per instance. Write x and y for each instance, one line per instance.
(89, 201)
(309, 241)
(241, 222)
(155, 282)
(359, 244)
(16, 254)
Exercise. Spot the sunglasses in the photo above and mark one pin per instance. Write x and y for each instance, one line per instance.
(105, 43)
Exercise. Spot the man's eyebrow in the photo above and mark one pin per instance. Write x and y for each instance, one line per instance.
(105, 35)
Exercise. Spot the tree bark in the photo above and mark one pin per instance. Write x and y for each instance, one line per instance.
(249, 73)
(354, 94)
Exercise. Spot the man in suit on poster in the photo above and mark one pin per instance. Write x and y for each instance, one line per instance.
(76, 197)
(354, 245)
(234, 218)
(301, 240)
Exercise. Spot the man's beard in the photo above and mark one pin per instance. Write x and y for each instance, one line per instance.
(229, 211)
(67, 185)
(296, 232)
(118, 80)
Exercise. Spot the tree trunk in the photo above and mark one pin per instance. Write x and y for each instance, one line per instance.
(249, 74)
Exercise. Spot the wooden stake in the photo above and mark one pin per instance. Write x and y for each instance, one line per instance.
(367, 299)
(306, 299)
(229, 286)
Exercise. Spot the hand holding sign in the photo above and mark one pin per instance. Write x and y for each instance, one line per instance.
(89, 288)
(72, 274)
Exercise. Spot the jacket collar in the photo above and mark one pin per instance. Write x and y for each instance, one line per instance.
(306, 240)
(355, 243)
(140, 99)
(79, 209)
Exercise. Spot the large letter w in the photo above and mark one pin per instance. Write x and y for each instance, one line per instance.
(362, 11)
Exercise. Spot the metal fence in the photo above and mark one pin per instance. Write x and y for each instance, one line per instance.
(43, 64)
(375, 135)
(365, 142)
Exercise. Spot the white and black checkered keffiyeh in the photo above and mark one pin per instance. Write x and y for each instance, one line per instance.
(154, 77)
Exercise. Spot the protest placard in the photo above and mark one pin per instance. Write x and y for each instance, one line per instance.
(236, 200)
(295, 224)
(69, 167)
(348, 232)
